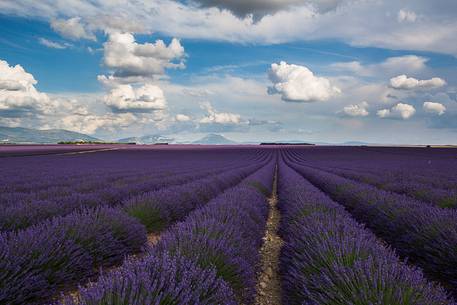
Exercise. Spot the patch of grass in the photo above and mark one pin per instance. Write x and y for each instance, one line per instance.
(149, 217)
(260, 187)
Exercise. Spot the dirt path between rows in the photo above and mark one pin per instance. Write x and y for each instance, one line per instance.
(269, 283)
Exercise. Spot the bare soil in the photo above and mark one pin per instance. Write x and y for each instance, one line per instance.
(269, 283)
(153, 238)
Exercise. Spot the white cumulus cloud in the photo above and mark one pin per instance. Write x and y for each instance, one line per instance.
(129, 59)
(126, 98)
(410, 83)
(399, 111)
(433, 107)
(299, 84)
(18, 92)
(72, 28)
(356, 109)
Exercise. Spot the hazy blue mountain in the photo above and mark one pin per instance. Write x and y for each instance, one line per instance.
(214, 139)
(48, 136)
(148, 139)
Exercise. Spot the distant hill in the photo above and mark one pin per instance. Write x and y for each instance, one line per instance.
(286, 143)
(347, 143)
(148, 139)
(36, 136)
(214, 139)
(355, 143)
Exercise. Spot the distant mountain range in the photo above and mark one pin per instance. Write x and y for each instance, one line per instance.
(48, 136)
(51, 136)
(148, 139)
(214, 139)
(210, 139)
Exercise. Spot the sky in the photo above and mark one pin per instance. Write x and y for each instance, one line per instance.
(376, 71)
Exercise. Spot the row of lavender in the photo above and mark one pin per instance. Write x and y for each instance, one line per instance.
(35, 204)
(60, 171)
(430, 178)
(440, 192)
(210, 258)
(427, 166)
(50, 177)
(420, 190)
(398, 162)
(26, 213)
(60, 188)
(91, 179)
(47, 176)
(56, 253)
(425, 234)
(328, 258)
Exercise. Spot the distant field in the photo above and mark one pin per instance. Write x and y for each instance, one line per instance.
(31, 150)
(196, 224)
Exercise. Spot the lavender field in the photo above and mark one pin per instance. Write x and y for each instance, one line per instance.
(196, 224)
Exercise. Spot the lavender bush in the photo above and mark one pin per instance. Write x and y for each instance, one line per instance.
(58, 253)
(160, 279)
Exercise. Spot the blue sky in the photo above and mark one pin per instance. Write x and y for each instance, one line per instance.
(323, 71)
